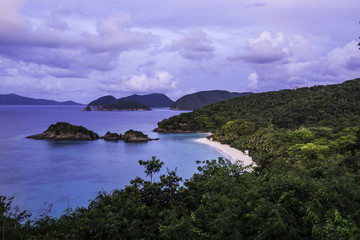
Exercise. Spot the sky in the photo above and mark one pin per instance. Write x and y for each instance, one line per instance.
(84, 49)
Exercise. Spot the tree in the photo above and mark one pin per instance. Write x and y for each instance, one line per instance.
(151, 166)
(11, 219)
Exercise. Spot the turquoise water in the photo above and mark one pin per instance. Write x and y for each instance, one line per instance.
(70, 173)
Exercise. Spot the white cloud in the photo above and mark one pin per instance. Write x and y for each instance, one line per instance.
(253, 80)
(10, 17)
(339, 64)
(158, 81)
(264, 49)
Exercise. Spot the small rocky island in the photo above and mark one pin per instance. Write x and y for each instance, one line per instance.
(67, 131)
(129, 136)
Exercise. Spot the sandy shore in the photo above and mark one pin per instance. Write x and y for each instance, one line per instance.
(228, 152)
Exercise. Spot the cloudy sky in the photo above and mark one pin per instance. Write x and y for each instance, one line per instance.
(84, 49)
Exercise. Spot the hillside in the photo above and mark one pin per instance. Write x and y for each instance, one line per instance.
(330, 106)
(152, 100)
(120, 105)
(105, 100)
(14, 99)
(305, 185)
(200, 99)
(143, 102)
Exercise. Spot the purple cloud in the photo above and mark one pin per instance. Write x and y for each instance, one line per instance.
(337, 65)
(262, 50)
(256, 4)
(60, 53)
(196, 45)
(156, 81)
(353, 63)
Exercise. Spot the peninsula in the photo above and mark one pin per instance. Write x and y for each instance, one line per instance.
(14, 99)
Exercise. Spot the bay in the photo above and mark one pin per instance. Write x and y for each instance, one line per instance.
(47, 175)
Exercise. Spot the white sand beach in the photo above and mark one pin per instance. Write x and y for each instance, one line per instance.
(228, 152)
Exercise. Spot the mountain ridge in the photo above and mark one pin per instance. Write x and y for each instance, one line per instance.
(15, 99)
(200, 99)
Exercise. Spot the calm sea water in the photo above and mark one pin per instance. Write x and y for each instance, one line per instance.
(70, 173)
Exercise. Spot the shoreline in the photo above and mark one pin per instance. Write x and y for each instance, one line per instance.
(228, 152)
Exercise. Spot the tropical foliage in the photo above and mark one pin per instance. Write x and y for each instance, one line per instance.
(199, 99)
(326, 106)
(125, 105)
(305, 184)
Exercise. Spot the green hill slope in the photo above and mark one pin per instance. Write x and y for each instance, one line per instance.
(150, 100)
(331, 106)
(105, 100)
(305, 185)
(200, 99)
(120, 105)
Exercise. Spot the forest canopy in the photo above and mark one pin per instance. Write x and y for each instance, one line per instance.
(305, 185)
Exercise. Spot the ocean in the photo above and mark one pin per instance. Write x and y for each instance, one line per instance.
(46, 177)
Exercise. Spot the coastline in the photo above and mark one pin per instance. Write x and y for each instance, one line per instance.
(228, 152)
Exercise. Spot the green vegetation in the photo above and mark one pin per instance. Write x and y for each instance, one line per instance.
(200, 99)
(105, 100)
(221, 201)
(136, 136)
(67, 128)
(133, 102)
(125, 105)
(150, 100)
(305, 185)
(66, 131)
(326, 106)
(109, 136)
(135, 133)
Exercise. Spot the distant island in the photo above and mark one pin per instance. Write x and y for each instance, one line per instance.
(154, 100)
(200, 99)
(67, 131)
(14, 99)
(130, 103)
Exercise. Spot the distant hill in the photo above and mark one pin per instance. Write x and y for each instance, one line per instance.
(14, 99)
(102, 101)
(151, 100)
(120, 105)
(144, 102)
(328, 106)
(200, 99)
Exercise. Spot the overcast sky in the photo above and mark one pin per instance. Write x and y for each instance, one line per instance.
(84, 49)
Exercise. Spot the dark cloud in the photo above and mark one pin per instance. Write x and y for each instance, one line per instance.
(146, 65)
(61, 54)
(55, 21)
(196, 45)
(256, 4)
(353, 63)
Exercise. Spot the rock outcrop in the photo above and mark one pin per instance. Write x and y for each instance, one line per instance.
(66, 131)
